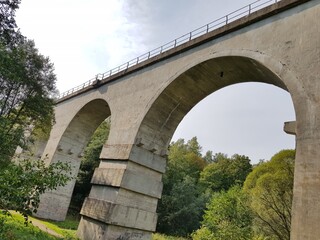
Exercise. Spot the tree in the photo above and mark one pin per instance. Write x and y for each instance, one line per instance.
(225, 172)
(228, 216)
(27, 83)
(27, 87)
(270, 186)
(8, 32)
(182, 204)
(180, 211)
(22, 184)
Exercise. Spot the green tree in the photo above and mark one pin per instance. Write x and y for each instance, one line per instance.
(270, 186)
(27, 87)
(89, 162)
(181, 206)
(225, 172)
(228, 216)
(180, 211)
(22, 184)
(8, 28)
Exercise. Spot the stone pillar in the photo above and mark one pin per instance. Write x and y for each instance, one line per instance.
(305, 224)
(123, 199)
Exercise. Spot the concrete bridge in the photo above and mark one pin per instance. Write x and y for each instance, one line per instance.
(149, 96)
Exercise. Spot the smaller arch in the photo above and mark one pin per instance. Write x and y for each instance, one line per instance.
(54, 205)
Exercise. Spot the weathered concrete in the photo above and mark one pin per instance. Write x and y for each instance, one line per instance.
(279, 45)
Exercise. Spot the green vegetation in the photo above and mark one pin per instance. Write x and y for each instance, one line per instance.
(66, 228)
(14, 227)
(27, 88)
(228, 216)
(270, 187)
(189, 182)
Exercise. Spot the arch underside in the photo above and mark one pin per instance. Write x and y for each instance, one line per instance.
(189, 88)
(54, 205)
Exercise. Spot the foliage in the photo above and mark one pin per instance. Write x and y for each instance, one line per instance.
(181, 207)
(270, 186)
(8, 27)
(225, 172)
(22, 184)
(89, 162)
(27, 85)
(228, 216)
(180, 212)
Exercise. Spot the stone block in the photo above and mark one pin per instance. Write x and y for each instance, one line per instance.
(290, 127)
(149, 159)
(91, 229)
(108, 176)
(116, 151)
(95, 230)
(142, 184)
(116, 214)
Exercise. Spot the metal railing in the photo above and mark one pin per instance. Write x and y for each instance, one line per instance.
(220, 22)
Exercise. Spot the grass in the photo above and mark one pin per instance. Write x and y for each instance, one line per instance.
(14, 228)
(66, 228)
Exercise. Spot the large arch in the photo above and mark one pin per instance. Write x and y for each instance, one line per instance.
(204, 77)
(54, 204)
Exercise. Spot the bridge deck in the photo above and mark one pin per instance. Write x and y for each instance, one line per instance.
(230, 23)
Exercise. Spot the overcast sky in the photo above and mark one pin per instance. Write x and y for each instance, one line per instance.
(83, 38)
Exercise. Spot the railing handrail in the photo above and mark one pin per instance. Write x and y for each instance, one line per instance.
(220, 22)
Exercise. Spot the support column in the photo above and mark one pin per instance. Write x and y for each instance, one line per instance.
(123, 199)
(305, 224)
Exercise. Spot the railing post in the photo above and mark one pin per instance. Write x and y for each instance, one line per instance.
(175, 42)
(207, 28)
(250, 8)
(226, 19)
(190, 36)
(137, 60)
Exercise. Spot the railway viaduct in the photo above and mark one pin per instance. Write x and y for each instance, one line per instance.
(147, 97)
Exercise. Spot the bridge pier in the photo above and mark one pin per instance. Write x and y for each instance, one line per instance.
(123, 199)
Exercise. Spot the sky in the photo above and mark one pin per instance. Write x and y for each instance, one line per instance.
(84, 38)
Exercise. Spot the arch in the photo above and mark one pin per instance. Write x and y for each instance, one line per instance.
(204, 76)
(54, 205)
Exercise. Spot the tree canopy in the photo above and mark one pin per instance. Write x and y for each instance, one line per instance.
(27, 85)
(27, 88)
(225, 172)
(228, 216)
(270, 187)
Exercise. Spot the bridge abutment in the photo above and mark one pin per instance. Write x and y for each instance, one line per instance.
(123, 199)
